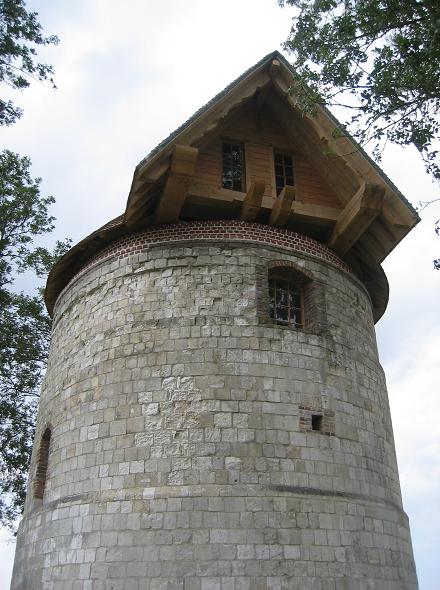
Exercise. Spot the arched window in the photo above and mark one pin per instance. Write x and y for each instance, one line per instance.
(286, 302)
(39, 482)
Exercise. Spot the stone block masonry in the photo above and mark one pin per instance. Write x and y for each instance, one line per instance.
(184, 453)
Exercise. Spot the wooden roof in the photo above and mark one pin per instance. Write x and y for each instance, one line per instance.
(372, 218)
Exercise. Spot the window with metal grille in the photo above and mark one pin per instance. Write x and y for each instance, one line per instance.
(285, 303)
(283, 170)
(233, 166)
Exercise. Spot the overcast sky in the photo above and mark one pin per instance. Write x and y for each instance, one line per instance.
(128, 73)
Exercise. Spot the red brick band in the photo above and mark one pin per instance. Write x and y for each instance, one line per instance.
(222, 230)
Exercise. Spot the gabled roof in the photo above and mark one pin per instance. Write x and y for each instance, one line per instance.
(375, 216)
(274, 55)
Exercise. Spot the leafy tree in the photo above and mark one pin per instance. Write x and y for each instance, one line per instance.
(25, 325)
(20, 32)
(24, 337)
(380, 61)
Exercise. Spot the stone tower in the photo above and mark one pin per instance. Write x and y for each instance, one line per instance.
(214, 414)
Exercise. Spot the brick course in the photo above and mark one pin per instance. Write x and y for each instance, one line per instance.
(218, 230)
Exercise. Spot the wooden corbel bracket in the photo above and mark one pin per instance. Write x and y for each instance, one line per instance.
(181, 173)
(282, 207)
(251, 205)
(356, 217)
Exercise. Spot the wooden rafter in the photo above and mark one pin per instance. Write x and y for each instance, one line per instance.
(252, 202)
(177, 184)
(356, 217)
(282, 207)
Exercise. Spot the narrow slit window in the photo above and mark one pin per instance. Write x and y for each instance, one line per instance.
(233, 166)
(39, 483)
(283, 171)
(285, 303)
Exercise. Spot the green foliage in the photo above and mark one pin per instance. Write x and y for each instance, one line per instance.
(20, 32)
(23, 214)
(24, 341)
(25, 325)
(378, 59)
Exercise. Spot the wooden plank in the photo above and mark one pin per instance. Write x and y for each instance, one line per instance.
(356, 217)
(282, 207)
(312, 212)
(181, 173)
(258, 165)
(252, 202)
(203, 190)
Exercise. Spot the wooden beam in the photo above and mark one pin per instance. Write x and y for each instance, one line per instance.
(356, 217)
(252, 202)
(177, 184)
(282, 207)
(314, 213)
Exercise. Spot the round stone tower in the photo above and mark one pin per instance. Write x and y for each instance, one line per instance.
(214, 414)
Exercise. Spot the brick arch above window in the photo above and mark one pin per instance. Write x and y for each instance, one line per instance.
(39, 482)
(290, 271)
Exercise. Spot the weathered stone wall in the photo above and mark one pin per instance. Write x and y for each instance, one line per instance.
(181, 453)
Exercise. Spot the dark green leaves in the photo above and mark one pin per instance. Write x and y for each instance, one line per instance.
(20, 32)
(378, 59)
(24, 324)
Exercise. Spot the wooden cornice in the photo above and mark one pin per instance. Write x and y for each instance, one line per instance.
(356, 217)
(179, 179)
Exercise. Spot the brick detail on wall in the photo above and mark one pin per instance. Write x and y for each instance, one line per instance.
(224, 230)
(39, 482)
